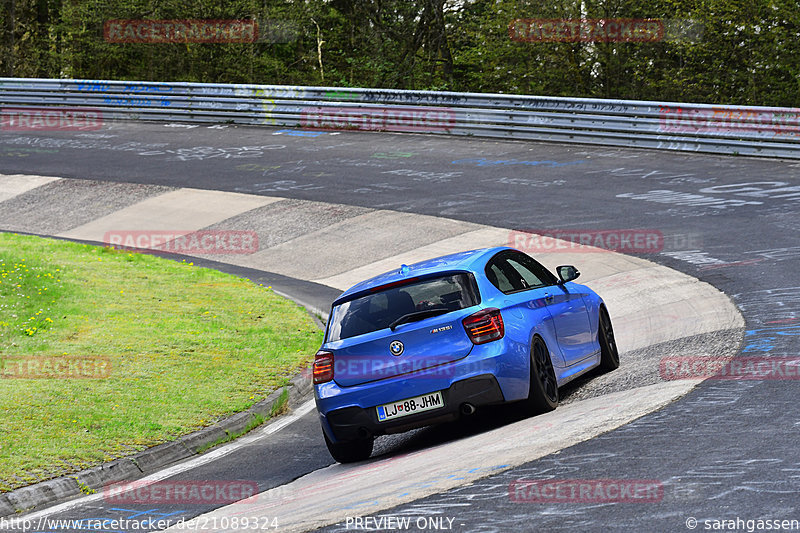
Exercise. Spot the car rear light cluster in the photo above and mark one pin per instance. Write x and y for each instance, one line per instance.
(484, 326)
(323, 367)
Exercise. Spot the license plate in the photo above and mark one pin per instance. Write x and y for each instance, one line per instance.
(410, 406)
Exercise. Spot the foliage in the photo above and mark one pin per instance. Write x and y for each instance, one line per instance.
(743, 55)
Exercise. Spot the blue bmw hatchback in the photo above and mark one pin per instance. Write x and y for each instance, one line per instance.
(431, 342)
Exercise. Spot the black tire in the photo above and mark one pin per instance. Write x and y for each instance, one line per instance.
(543, 392)
(609, 355)
(350, 451)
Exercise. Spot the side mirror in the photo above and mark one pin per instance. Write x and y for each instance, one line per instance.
(567, 273)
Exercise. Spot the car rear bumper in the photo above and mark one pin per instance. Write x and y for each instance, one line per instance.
(494, 372)
(350, 423)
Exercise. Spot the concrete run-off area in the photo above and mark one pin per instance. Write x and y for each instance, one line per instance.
(656, 311)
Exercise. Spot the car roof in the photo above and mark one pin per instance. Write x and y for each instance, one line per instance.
(470, 261)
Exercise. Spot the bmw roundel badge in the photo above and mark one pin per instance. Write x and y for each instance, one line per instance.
(396, 347)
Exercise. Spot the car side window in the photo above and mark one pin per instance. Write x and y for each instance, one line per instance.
(533, 272)
(517, 272)
(499, 278)
(504, 276)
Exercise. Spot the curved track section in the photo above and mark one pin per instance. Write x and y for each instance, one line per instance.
(651, 305)
(731, 222)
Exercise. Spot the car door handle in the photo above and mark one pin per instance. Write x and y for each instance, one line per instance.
(548, 297)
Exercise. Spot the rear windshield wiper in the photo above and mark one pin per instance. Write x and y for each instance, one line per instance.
(418, 315)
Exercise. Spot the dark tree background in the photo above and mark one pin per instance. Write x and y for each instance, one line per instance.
(735, 52)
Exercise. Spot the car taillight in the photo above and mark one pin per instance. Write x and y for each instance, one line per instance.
(323, 367)
(484, 326)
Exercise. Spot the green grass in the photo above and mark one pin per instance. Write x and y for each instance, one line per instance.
(185, 346)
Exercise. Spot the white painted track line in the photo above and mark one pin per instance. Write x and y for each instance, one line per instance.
(200, 460)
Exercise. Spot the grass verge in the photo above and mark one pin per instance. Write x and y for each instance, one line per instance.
(104, 353)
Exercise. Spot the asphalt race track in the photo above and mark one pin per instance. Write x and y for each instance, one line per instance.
(724, 451)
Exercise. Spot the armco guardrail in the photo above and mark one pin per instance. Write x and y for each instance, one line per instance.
(753, 131)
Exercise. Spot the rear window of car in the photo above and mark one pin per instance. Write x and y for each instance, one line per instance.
(379, 309)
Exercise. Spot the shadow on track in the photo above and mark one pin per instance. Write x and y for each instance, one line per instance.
(485, 419)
